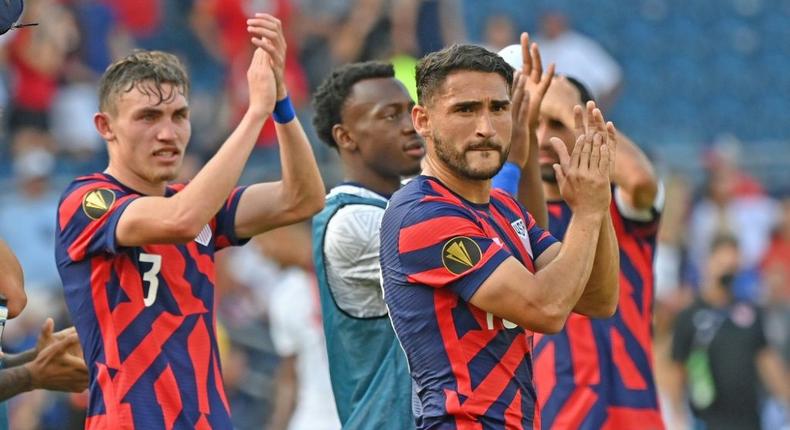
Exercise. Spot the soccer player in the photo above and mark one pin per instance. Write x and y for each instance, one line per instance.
(365, 114)
(136, 255)
(467, 275)
(599, 373)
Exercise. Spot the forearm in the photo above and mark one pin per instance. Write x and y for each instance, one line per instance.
(601, 294)
(530, 187)
(13, 360)
(774, 375)
(14, 381)
(11, 281)
(203, 197)
(563, 279)
(634, 174)
(676, 393)
(285, 397)
(302, 181)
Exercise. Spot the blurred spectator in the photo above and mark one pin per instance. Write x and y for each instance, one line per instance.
(303, 397)
(720, 352)
(748, 217)
(249, 361)
(423, 26)
(777, 256)
(36, 59)
(27, 220)
(578, 55)
(500, 31)
(334, 32)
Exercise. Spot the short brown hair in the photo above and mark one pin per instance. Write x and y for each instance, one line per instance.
(155, 67)
(434, 68)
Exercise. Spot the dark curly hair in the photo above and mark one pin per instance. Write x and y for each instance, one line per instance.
(138, 70)
(434, 68)
(331, 95)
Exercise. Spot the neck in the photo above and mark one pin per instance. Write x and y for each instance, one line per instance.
(356, 171)
(125, 176)
(716, 296)
(475, 191)
(551, 191)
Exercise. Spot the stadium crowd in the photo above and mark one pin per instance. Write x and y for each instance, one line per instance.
(268, 312)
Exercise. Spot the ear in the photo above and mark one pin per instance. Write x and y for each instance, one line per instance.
(343, 138)
(101, 121)
(419, 116)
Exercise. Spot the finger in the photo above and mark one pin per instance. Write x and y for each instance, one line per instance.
(584, 158)
(526, 60)
(263, 32)
(603, 165)
(523, 113)
(595, 155)
(588, 114)
(537, 63)
(515, 93)
(272, 53)
(562, 152)
(578, 122)
(611, 145)
(546, 80)
(47, 328)
(598, 121)
(559, 174)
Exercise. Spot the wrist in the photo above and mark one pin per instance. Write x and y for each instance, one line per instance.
(283, 111)
(590, 216)
(28, 381)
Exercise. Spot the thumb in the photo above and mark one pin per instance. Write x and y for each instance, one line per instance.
(559, 173)
(47, 329)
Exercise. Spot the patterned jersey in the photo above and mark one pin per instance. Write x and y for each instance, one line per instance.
(598, 373)
(144, 315)
(471, 369)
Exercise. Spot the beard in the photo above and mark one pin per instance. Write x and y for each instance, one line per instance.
(547, 173)
(457, 160)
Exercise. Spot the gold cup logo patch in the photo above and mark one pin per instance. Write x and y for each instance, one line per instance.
(460, 254)
(97, 202)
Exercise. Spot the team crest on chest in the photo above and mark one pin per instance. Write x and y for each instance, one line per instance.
(520, 228)
(98, 202)
(460, 254)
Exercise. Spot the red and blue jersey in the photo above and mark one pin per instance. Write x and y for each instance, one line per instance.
(144, 315)
(471, 369)
(598, 373)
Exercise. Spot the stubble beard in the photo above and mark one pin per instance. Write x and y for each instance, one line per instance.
(457, 160)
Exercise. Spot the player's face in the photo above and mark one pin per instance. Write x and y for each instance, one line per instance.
(556, 120)
(377, 115)
(150, 137)
(469, 123)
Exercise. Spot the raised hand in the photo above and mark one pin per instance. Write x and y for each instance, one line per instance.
(529, 88)
(54, 368)
(262, 84)
(537, 82)
(46, 337)
(583, 177)
(519, 138)
(267, 32)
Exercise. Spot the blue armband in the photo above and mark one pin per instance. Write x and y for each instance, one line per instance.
(283, 111)
(507, 179)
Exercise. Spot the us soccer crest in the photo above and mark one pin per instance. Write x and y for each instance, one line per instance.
(460, 254)
(97, 202)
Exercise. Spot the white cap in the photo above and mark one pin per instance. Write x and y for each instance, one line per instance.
(512, 55)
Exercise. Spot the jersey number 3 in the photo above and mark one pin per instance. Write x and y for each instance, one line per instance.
(150, 276)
